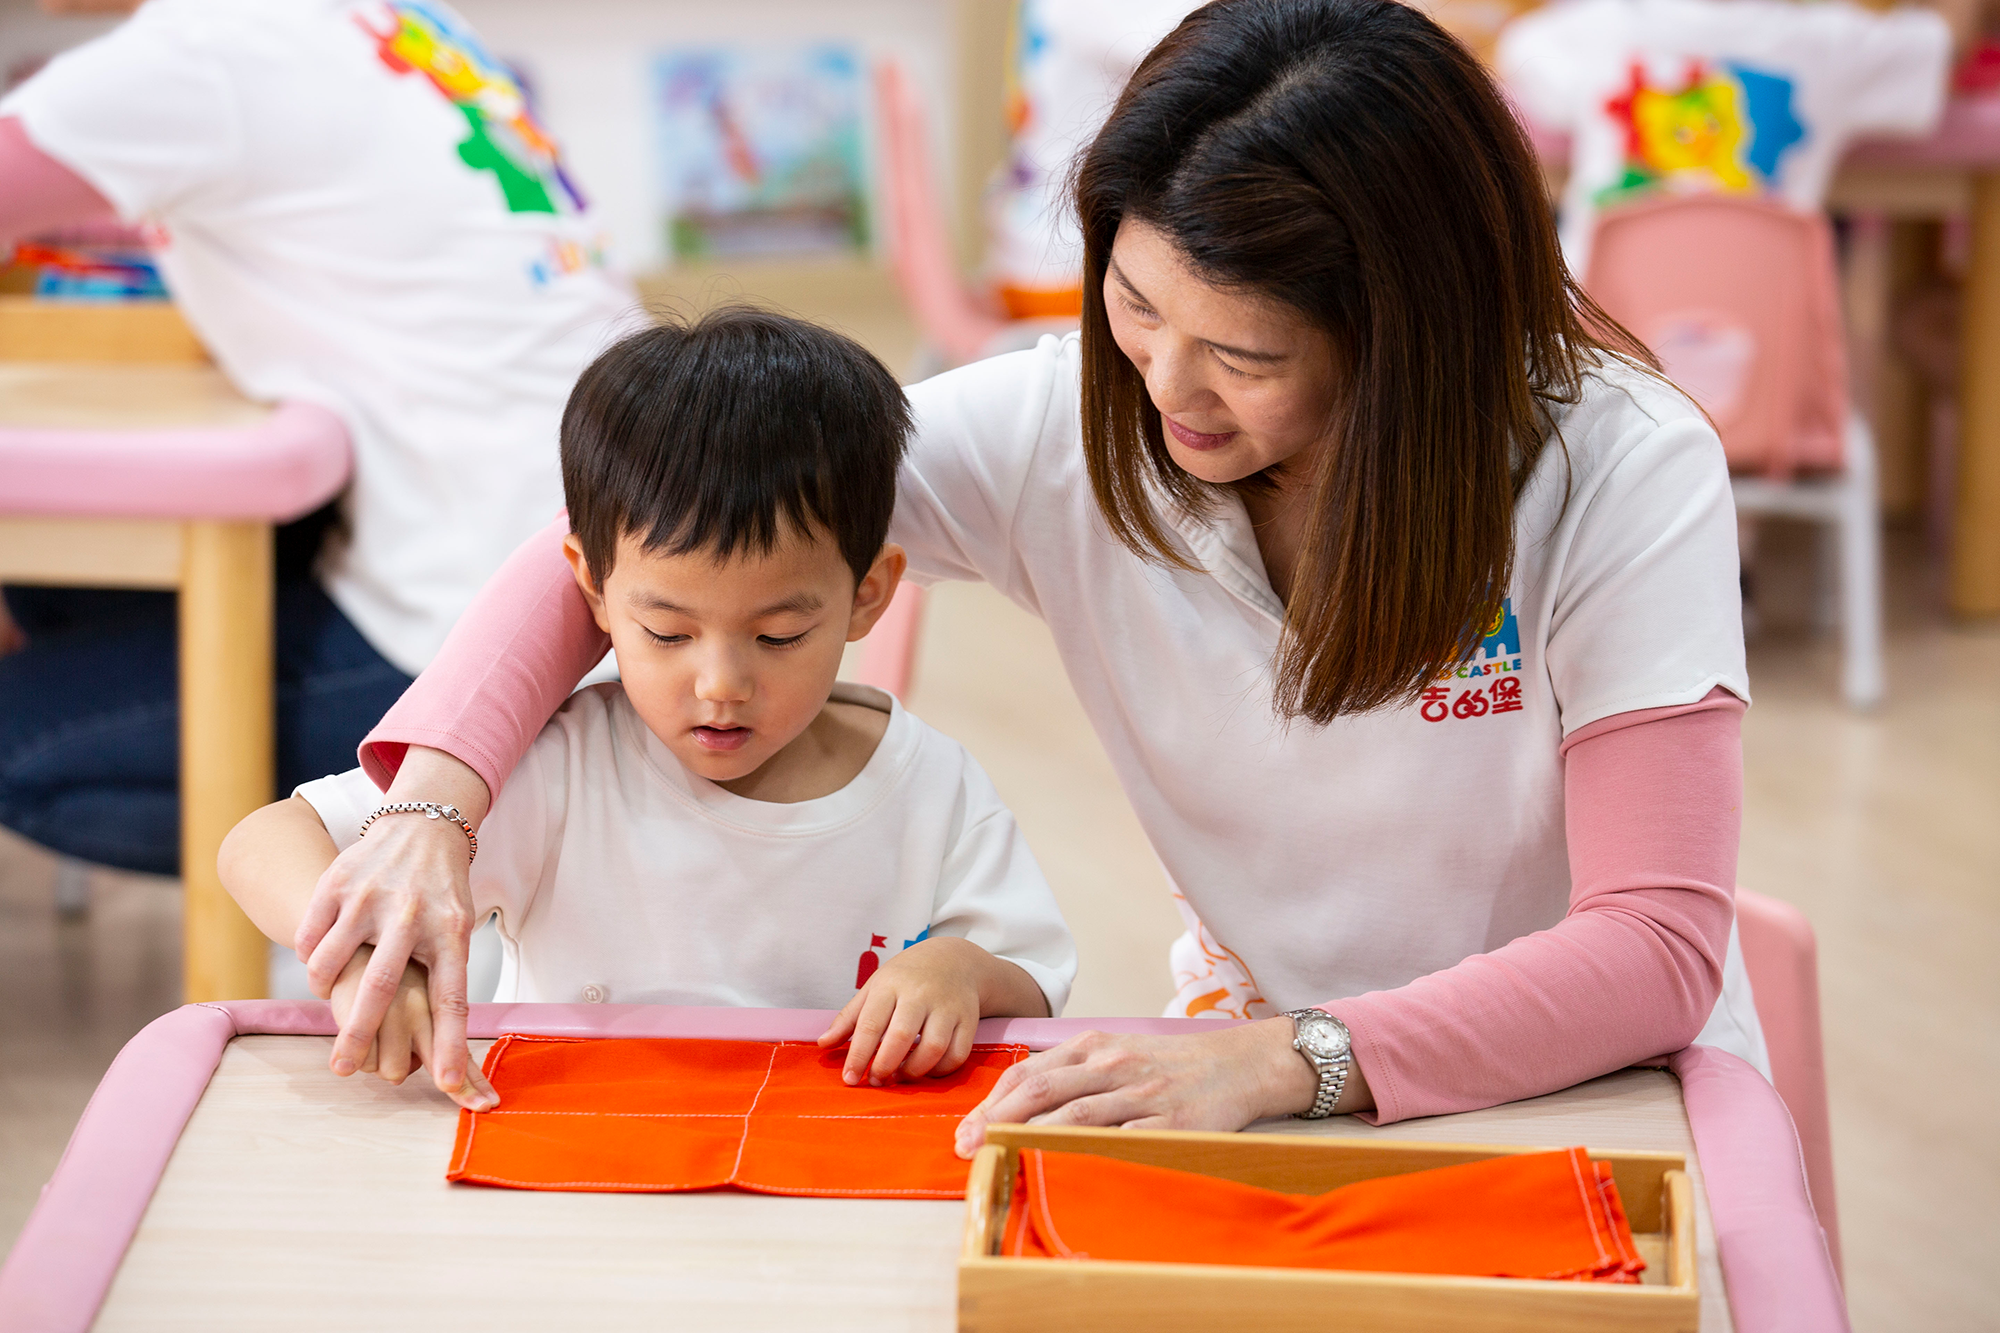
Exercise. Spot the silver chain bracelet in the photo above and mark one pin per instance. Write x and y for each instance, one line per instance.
(429, 810)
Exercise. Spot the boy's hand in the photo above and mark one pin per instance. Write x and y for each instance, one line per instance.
(917, 1015)
(402, 1044)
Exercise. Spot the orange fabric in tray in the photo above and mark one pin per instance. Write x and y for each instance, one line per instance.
(1536, 1215)
(652, 1115)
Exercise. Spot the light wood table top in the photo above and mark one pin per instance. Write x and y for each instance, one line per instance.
(301, 1201)
(109, 396)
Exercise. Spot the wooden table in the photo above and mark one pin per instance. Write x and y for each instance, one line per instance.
(300, 1201)
(1953, 171)
(222, 1178)
(163, 476)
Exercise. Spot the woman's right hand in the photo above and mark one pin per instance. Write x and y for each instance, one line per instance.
(405, 890)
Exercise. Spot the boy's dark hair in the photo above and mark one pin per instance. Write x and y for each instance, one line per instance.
(713, 435)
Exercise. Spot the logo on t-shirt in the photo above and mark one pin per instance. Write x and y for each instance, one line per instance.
(871, 959)
(503, 135)
(1722, 128)
(1494, 668)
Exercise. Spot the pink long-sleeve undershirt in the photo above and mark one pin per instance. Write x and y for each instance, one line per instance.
(38, 193)
(1651, 804)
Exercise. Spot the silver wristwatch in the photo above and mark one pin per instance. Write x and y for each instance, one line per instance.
(1323, 1040)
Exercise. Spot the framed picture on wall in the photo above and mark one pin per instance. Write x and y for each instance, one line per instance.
(761, 150)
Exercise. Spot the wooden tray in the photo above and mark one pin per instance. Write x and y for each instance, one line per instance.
(1003, 1295)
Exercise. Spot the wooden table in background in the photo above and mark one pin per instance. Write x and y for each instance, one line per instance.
(219, 565)
(1954, 171)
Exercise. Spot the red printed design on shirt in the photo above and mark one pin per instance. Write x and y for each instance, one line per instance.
(1488, 683)
(870, 960)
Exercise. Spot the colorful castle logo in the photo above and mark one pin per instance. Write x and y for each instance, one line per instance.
(1503, 634)
(1724, 129)
(504, 136)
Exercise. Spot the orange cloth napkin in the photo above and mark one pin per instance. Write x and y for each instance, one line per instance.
(668, 1114)
(1535, 1215)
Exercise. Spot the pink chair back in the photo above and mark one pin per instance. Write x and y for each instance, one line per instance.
(1738, 298)
(1782, 957)
(920, 248)
(889, 653)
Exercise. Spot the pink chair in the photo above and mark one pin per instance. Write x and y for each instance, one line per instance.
(1782, 958)
(889, 653)
(958, 327)
(1737, 297)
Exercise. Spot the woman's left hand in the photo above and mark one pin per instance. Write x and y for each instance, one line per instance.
(1207, 1080)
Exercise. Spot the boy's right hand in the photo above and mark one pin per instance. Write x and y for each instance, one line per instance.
(402, 1044)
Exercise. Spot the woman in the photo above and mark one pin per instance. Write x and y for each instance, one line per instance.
(1401, 594)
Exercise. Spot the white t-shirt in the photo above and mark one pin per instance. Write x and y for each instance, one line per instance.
(356, 207)
(1739, 96)
(621, 877)
(1074, 58)
(1331, 861)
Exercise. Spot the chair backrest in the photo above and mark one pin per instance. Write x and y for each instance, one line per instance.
(1738, 298)
(1782, 957)
(920, 249)
(889, 653)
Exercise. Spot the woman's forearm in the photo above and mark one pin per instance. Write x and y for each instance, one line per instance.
(511, 660)
(1633, 971)
(38, 193)
(432, 775)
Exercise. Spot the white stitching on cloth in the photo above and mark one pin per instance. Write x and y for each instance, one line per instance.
(493, 1056)
(1589, 1215)
(1042, 1201)
(744, 1142)
(487, 1066)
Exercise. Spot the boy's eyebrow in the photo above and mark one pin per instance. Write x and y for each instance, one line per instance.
(1262, 358)
(799, 603)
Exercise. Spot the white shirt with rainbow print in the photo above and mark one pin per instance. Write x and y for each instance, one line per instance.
(1739, 96)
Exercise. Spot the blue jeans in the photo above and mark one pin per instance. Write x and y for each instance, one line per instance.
(90, 715)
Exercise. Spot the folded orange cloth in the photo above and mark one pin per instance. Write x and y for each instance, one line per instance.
(661, 1114)
(1535, 1215)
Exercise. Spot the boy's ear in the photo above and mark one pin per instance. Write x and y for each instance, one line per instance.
(876, 590)
(573, 552)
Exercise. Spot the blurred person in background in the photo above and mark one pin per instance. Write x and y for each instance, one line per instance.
(1745, 97)
(354, 205)
(1069, 60)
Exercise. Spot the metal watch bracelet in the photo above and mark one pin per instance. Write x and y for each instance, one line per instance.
(429, 810)
(1326, 1045)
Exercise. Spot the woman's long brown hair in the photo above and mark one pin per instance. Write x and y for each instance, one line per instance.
(1350, 159)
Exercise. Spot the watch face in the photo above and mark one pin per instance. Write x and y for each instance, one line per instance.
(1326, 1040)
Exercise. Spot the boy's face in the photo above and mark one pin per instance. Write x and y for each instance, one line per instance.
(729, 660)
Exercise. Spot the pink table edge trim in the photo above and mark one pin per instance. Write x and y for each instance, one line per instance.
(1774, 1258)
(61, 1267)
(284, 466)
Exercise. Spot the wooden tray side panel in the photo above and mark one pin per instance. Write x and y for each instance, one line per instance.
(1680, 1230)
(1040, 1295)
(1301, 1164)
(985, 1203)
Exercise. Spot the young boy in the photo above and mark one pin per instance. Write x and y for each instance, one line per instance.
(728, 826)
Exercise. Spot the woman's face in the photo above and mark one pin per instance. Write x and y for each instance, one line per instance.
(1242, 382)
